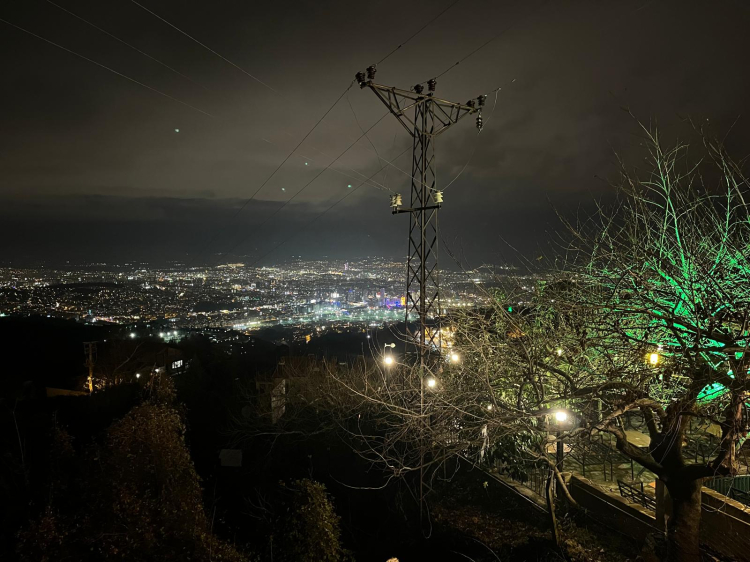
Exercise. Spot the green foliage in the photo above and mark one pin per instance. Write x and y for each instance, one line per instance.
(308, 525)
(510, 452)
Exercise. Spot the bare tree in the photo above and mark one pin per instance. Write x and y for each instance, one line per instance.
(650, 313)
(665, 281)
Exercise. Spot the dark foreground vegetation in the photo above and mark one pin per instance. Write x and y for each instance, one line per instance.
(132, 473)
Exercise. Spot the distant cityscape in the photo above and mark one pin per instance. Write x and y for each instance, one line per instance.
(306, 297)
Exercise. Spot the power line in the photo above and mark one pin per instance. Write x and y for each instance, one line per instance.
(176, 99)
(373, 183)
(421, 29)
(295, 149)
(476, 142)
(113, 71)
(288, 156)
(165, 65)
(269, 87)
(356, 120)
(293, 197)
(258, 80)
(483, 45)
(316, 218)
(189, 79)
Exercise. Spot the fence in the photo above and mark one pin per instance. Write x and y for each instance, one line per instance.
(737, 487)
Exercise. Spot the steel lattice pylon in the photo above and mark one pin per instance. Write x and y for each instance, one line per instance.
(431, 117)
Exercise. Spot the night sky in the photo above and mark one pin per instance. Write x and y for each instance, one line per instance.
(92, 167)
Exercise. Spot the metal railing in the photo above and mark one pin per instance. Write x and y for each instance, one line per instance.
(633, 492)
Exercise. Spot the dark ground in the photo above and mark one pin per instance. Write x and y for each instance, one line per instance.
(467, 520)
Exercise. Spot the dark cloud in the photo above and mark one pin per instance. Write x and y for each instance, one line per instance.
(96, 160)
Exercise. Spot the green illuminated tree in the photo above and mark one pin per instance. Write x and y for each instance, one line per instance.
(663, 294)
(650, 314)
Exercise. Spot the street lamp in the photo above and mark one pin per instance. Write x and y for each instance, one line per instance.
(388, 358)
(653, 358)
(431, 382)
(561, 418)
(455, 357)
(137, 375)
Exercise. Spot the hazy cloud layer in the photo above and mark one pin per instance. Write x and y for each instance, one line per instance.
(97, 161)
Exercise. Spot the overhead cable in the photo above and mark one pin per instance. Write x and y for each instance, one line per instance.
(304, 187)
(165, 65)
(145, 54)
(319, 216)
(483, 45)
(112, 70)
(258, 80)
(421, 29)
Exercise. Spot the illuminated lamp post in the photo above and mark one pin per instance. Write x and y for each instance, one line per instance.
(562, 418)
(388, 358)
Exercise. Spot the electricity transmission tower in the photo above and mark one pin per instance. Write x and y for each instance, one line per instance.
(424, 117)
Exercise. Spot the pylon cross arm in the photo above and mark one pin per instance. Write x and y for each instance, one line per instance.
(399, 101)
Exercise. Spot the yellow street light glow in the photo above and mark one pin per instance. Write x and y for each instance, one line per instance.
(454, 357)
(561, 416)
(489, 406)
(559, 352)
(137, 375)
(653, 358)
(132, 334)
(431, 382)
(388, 360)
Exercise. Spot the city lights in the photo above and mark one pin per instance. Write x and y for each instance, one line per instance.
(302, 297)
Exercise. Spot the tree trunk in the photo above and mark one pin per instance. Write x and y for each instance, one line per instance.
(550, 493)
(683, 527)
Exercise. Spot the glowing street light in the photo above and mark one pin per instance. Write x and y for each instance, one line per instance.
(653, 358)
(558, 351)
(431, 382)
(561, 417)
(388, 357)
(455, 357)
(137, 375)
(132, 334)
